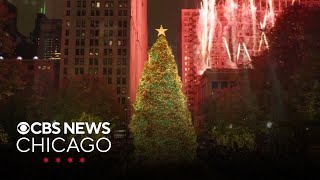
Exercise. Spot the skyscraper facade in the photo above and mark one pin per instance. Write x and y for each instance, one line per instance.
(47, 37)
(96, 41)
(138, 44)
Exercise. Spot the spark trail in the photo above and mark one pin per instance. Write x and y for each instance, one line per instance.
(230, 32)
(207, 25)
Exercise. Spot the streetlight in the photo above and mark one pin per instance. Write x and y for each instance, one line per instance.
(35, 58)
(269, 125)
(19, 58)
(1, 58)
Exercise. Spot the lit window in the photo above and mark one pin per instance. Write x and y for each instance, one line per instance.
(123, 90)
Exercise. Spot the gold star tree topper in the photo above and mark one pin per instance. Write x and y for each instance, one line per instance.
(161, 31)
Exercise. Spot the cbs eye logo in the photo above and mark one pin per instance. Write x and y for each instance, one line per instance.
(23, 128)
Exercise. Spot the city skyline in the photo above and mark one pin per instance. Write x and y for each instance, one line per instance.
(170, 20)
(230, 88)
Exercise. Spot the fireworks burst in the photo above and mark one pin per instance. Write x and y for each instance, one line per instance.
(227, 48)
(207, 25)
(235, 28)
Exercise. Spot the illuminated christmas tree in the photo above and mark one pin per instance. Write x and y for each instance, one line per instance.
(161, 122)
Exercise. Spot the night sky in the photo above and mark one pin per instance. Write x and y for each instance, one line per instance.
(165, 12)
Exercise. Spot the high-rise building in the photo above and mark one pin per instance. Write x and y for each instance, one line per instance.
(138, 44)
(47, 37)
(96, 41)
(225, 35)
(26, 22)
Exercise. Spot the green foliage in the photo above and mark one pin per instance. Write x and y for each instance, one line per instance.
(4, 137)
(285, 76)
(313, 104)
(13, 77)
(84, 117)
(14, 110)
(232, 106)
(235, 138)
(232, 118)
(161, 123)
(88, 95)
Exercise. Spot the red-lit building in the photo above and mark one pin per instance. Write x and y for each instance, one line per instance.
(138, 44)
(238, 35)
